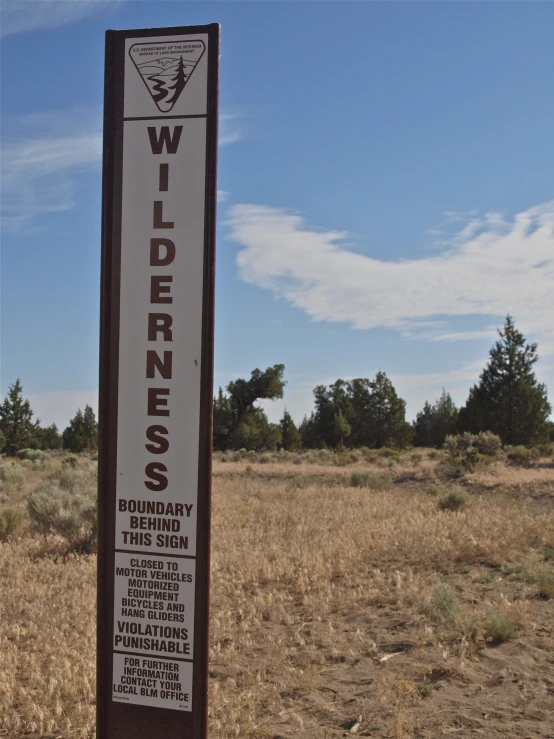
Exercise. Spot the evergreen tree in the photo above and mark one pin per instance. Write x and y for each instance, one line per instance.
(180, 81)
(91, 428)
(435, 422)
(222, 420)
(82, 433)
(341, 428)
(309, 438)
(238, 422)
(360, 394)
(16, 422)
(386, 416)
(357, 413)
(330, 421)
(255, 432)
(47, 438)
(290, 436)
(508, 400)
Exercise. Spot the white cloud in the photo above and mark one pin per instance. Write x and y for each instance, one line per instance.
(60, 407)
(40, 162)
(19, 16)
(493, 266)
(44, 153)
(229, 129)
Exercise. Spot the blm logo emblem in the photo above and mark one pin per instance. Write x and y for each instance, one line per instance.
(166, 68)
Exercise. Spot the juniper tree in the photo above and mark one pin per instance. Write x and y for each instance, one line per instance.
(47, 438)
(16, 420)
(435, 422)
(290, 436)
(82, 433)
(386, 415)
(238, 421)
(509, 400)
(359, 413)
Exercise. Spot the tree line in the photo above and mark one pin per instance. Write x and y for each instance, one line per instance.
(19, 430)
(508, 400)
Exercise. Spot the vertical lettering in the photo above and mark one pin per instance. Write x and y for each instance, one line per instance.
(160, 323)
(153, 363)
(171, 142)
(155, 259)
(158, 221)
(164, 178)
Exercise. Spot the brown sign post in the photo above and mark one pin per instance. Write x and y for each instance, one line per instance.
(156, 381)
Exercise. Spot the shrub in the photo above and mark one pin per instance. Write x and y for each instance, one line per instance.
(453, 500)
(462, 445)
(500, 628)
(433, 489)
(11, 472)
(267, 458)
(10, 522)
(470, 449)
(34, 455)
(368, 479)
(520, 456)
(433, 455)
(69, 479)
(72, 460)
(545, 450)
(388, 453)
(487, 443)
(544, 580)
(324, 455)
(70, 511)
(445, 602)
(342, 459)
(415, 458)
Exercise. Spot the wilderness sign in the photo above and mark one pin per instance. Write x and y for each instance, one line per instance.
(156, 381)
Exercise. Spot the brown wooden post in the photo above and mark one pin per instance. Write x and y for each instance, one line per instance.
(156, 381)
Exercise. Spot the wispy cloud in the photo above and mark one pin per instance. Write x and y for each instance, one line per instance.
(230, 128)
(41, 161)
(42, 156)
(19, 16)
(494, 265)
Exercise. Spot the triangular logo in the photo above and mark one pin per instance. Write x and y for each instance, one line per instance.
(166, 68)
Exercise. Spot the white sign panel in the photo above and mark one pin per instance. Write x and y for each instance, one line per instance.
(160, 350)
(146, 681)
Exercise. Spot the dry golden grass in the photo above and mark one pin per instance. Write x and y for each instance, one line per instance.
(47, 641)
(327, 602)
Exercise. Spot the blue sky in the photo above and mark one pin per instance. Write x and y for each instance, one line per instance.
(386, 191)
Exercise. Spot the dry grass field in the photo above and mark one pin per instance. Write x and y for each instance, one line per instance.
(339, 592)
